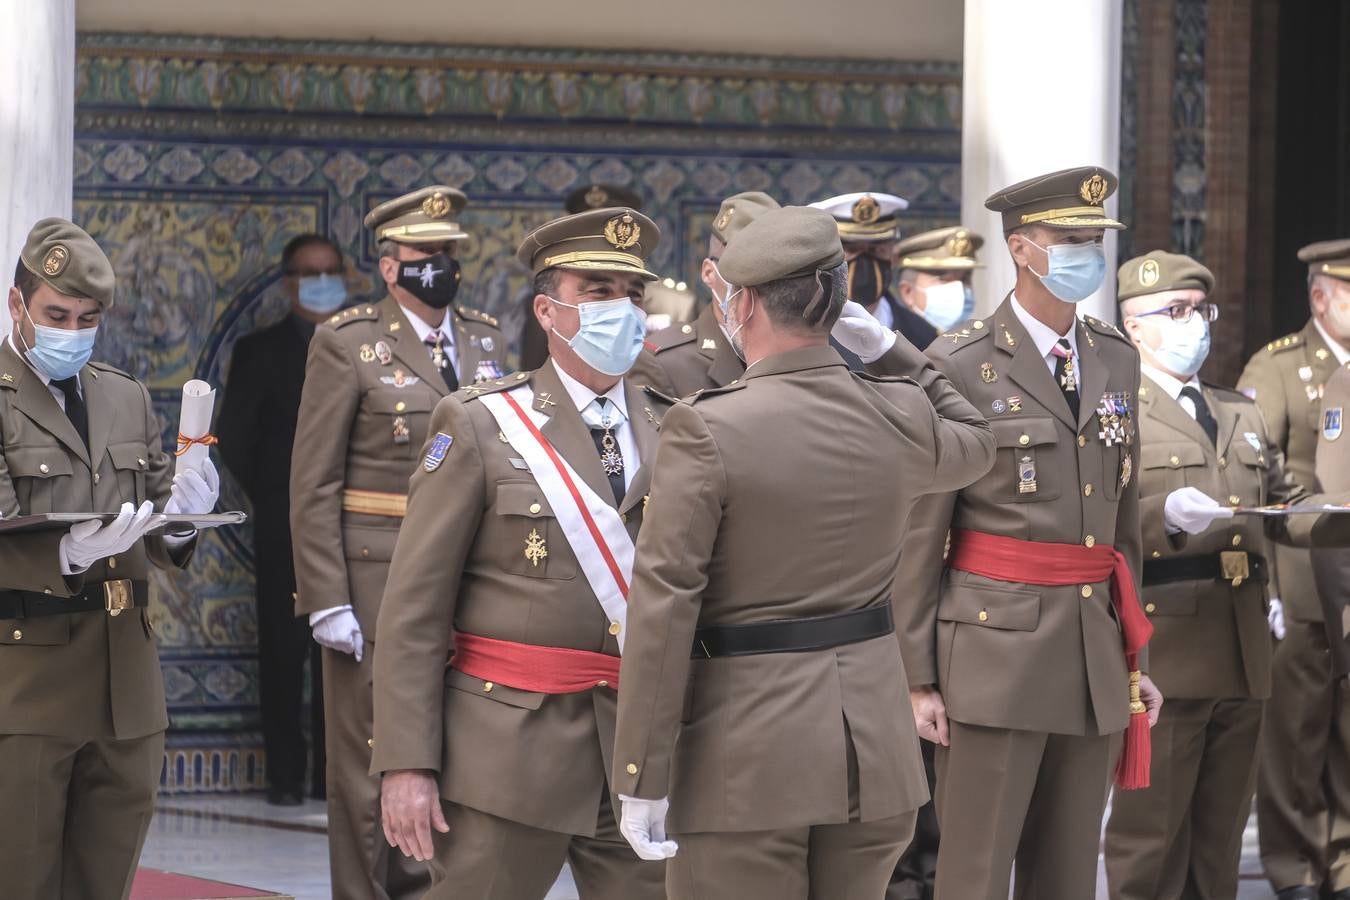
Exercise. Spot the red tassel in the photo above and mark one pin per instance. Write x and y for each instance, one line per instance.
(1136, 759)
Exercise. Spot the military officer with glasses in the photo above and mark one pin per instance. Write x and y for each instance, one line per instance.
(1203, 449)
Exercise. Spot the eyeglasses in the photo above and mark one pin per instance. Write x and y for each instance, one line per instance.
(1181, 312)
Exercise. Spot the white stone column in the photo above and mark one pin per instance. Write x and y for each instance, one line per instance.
(37, 122)
(1041, 92)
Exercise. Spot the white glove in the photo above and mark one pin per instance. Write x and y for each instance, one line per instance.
(643, 825)
(194, 491)
(88, 542)
(1191, 510)
(858, 330)
(337, 629)
(1276, 618)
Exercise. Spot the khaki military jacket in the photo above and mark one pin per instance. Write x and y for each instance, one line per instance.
(370, 386)
(782, 496)
(682, 359)
(85, 675)
(1210, 637)
(1016, 655)
(1286, 379)
(461, 565)
(1331, 568)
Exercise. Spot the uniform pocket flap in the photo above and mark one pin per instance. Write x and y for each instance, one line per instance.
(1249, 456)
(521, 498)
(1171, 456)
(369, 543)
(131, 456)
(1024, 432)
(37, 462)
(1007, 610)
(462, 681)
(396, 403)
(42, 631)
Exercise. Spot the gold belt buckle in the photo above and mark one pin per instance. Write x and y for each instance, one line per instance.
(117, 596)
(1234, 565)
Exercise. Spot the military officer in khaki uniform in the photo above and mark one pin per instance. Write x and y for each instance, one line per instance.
(783, 746)
(1206, 594)
(82, 713)
(690, 357)
(374, 373)
(1331, 568)
(1296, 809)
(935, 269)
(515, 558)
(1014, 650)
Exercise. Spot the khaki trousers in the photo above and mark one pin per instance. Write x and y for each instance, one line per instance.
(1303, 784)
(362, 864)
(1181, 839)
(74, 813)
(484, 857)
(1027, 796)
(852, 861)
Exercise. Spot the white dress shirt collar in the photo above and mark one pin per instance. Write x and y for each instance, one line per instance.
(1169, 384)
(583, 396)
(1042, 335)
(423, 329)
(1342, 355)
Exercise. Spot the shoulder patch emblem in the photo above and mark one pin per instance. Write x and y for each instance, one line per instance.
(1331, 423)
(436, 452)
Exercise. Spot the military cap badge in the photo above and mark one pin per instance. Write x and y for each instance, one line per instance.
(1093, 189)
(622, 231)
(56, 261)
(1149, 273)
(866, 210)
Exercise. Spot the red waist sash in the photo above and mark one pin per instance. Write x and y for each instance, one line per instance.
(1037, 562)
(530, 667)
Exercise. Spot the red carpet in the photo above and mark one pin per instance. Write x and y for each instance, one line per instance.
(152, 884)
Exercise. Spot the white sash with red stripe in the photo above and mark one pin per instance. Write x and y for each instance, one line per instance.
(592, 527)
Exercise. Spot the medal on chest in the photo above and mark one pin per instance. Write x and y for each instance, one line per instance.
(1114, 419)
(1026, 476)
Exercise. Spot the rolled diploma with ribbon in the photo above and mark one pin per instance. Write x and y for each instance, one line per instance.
(194, 426)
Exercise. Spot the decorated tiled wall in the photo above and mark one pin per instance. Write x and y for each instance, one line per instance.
(197, 159)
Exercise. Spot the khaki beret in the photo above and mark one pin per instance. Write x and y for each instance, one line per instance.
(617, 239)
(426, 216)
(1327, 258)
(63, 255)
(1069, 198)
(738, 211)
(782, 243)
(941, 250)
(601, 196)
(1157, 272)
(865, 217)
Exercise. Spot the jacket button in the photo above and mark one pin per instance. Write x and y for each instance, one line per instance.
(487, 687)
(46, 590)
(1223, 462)
(97, 476)
(1024, 440)
(1150, 609)
(140, 462)
(371, 743)
(1087, 490)
(1234, 499)
(18, 635)
(112, 562)
(1174, 460)
(535, 509)
(365, 552)
(1237, 539)
(1090, 541)
(1086, 591)
(1156, 554)
(400, 406)
(984, 615)
(1082, 440)
(44, 468)
(602, 684)
(615, 628)
(631, 768)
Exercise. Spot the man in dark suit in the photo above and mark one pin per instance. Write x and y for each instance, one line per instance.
(256, 432)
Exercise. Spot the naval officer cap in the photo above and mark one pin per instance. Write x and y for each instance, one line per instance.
(1159, 272)
(865, 217)
(738, 211)
(1327, 258)
(63, 255)
(617, 239)
(425, 216)
(1069, 198)
(949, 249)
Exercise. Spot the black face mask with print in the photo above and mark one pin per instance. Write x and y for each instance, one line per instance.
(868, 277)
(434, 280)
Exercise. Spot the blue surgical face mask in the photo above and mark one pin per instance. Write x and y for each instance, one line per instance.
(323, 293)
(611, 334)
(59, 353)
(1076, 270)
(947, 302)
(1185, 345)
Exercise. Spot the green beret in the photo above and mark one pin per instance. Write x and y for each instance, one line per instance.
(63, 255)
(782, 243)
(1327, 258)
(738, 211)
(1157, 272)
(618, 239)
(1069, 198)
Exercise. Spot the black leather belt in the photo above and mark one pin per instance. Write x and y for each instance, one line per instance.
(111, 597)
(793, 635)
(1234, 566)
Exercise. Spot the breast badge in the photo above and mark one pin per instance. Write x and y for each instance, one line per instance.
(1026, 476)
(436, 454)
(1015, 404)
(400, 379)
(366, 353)
(536, 548)
(999, 407)
(383, 354)
(1114, 419)
(488, 369)
(1126, 470)
(401, 433)
(987, 373)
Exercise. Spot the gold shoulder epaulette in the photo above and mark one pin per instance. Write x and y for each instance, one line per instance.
(1281, 344)
(705, 393)
(469, 312)
(361, 313)
(505, 383)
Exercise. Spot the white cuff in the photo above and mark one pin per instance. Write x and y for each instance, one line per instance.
(316, 617)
